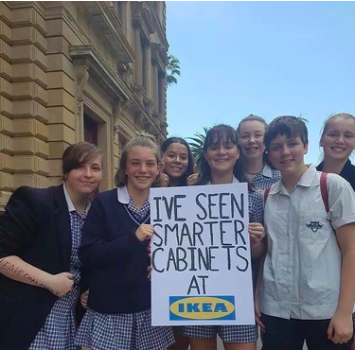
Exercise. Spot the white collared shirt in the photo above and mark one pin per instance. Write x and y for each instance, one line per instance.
(136, 214)
(122, 195)
(235, 180)
(267, 171)
(302, 269)
(70, 204)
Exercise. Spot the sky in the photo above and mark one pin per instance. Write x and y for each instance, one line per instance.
(264, 58)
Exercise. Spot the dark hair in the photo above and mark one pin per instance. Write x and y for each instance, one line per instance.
(289, 126)
(330, 118)
(190, 165)
(214, 137)
(77, 155)
(261, 120)
(144, 140)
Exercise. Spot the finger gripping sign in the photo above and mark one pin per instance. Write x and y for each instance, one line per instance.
(201, 256)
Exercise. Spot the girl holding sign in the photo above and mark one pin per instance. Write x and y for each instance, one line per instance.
(114, 254)
(258, 169)
(178, 167)
(221, 165)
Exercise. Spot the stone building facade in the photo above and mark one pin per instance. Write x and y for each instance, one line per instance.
(72, 71)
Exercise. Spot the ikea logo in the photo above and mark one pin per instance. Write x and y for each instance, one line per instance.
(201, 308)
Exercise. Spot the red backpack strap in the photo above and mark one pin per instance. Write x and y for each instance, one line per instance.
(324, 190)
(266, 194)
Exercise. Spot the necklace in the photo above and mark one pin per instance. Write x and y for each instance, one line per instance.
(252, 173)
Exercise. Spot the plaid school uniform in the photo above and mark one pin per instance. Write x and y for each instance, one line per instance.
(59, 329)
(264, 179)
(232, 333)
(124, 331)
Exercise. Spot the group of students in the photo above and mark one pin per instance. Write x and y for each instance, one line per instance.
(59, 242)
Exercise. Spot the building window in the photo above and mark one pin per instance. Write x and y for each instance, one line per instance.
(119, 9)
(90, 130)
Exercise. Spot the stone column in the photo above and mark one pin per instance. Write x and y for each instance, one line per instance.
(124, 17)
(162, 95)
(138, 59)
(147, 70)
(156, 88)
(81, 79)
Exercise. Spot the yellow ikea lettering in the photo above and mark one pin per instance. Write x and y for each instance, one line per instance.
(202, 307)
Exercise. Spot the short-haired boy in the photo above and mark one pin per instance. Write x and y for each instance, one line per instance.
(307, 291)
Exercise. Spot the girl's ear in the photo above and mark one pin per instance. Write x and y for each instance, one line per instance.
(306, 149)
(321, 142)
(159, 168)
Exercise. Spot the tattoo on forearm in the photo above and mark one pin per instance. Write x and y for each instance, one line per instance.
(9, 267)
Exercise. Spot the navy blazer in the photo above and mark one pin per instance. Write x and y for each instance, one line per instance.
(114, 259)
(35, 227)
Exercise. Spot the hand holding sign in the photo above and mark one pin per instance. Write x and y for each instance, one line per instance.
(164, 180)
(256, 232)
(144, 232)
(192, 179)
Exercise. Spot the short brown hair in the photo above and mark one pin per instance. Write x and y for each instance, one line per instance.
(77, 155)
(142, 139)
(289, 126)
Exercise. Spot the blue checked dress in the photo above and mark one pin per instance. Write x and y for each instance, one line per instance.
(124, 331)
(263, 180)
(260, 182)
(59, 329)
(231, 334)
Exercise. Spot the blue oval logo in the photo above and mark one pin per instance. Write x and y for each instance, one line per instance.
(202, 307)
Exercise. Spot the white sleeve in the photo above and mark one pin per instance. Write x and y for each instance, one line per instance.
(341, 197)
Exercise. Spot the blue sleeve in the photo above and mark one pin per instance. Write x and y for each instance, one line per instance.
(96, 250)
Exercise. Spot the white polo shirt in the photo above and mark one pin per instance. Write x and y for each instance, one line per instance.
(303, 265)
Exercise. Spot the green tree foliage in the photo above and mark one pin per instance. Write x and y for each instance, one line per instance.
(172, 69)
(196, 145)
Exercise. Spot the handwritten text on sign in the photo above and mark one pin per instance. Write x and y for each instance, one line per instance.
(201, 256)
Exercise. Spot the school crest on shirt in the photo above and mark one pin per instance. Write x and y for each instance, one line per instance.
(314, 226)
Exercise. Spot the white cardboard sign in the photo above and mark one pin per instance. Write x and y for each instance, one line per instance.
(201, 256)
